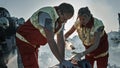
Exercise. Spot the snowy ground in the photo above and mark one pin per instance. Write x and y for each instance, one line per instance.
(49, 60)
(13, 62)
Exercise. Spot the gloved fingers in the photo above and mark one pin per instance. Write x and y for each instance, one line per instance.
(74, 54)
(74, 61)
(76, 58)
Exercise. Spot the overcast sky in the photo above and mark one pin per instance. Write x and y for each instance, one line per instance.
(106, 10)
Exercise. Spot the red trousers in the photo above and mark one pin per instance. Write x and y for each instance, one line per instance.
(101, 62)
(28, 53)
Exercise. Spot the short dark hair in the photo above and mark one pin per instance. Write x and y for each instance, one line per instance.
(84, 10)
(66, 8)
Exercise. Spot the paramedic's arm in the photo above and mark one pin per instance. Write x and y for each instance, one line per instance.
(68, 33)
(97, 40)
(52, 44)
(61, 43)
(46, 22)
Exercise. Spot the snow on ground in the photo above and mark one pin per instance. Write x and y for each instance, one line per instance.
(13, 62)
(114, 49)
(46, 58)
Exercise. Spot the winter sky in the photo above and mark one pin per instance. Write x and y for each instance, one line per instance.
(106, 10)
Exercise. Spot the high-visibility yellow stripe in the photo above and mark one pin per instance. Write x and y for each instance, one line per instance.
(101, 55)
(23, 39)
(34, 18)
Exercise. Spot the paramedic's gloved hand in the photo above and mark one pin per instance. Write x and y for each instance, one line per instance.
(66, 64)
(77, 56)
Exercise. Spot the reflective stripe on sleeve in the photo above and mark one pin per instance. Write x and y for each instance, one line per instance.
(23, 39)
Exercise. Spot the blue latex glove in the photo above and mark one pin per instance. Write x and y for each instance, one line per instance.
(66, 64)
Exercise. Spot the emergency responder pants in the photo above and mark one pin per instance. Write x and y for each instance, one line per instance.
(29, 54)
(101, 62)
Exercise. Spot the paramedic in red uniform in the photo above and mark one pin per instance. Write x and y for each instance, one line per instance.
(93, 36)
(40, 29)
